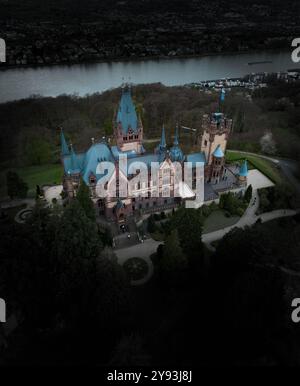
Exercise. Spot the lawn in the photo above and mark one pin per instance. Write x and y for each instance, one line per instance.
(217, 220)
(34, 175)
(256, 162)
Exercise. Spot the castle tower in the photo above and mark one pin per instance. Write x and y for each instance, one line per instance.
(215, 131)
(217, 165)
(127, 125)
(243, 173)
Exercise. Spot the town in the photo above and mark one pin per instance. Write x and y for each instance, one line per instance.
(117, 31)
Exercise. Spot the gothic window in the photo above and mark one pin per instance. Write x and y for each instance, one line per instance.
(130, 137)
(166, 180)
(205, 143)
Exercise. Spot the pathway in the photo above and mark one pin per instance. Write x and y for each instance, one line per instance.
(249, 218)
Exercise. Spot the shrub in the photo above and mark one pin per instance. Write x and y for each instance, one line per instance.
(240, 212)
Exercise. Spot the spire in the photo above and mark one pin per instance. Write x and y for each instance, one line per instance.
(163, 143)
(176, 141)
(244, 169)
(176, 153)
(64, 147)
(126, 114)
(74, 161)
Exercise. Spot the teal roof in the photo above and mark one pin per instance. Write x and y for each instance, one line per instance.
(163, 143)
(116, 152)
(176, 141)
(217, 116)
(64, 146)
(68, 163)
(244, 169)
(196, 157)
(218, 153)
(162, 146)
(146, 159)
(74, 164)
(176, 153)
(97, 152)
(126, 115)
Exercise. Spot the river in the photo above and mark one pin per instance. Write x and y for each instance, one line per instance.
(81, 79)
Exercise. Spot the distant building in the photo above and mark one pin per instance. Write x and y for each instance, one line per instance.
(155, 195)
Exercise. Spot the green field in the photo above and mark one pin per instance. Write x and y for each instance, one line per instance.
(34, 175)
(256, 162)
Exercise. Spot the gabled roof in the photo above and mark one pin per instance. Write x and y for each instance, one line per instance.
(126, 114)
(218, 153)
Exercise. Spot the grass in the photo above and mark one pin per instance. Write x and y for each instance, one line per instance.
(256, 162)
(217, 220)
(34, 175)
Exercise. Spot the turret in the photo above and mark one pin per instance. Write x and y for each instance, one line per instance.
(176, 153)
(217, 165)
(243, 173)
(162, 146)
(63, 143)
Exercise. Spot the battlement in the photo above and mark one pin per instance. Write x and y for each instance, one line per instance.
(216, 123)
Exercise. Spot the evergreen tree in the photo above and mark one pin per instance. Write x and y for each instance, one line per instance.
(173, 262)
(248, 194)
(84, 199)
(151, 226)
(188, 223)
(76, 235)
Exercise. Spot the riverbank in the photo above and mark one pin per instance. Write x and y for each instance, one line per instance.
(87, 79)
(120, 59)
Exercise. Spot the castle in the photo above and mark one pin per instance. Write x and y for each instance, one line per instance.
(155, 195)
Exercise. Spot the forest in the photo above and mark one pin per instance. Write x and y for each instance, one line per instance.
(264, 121)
